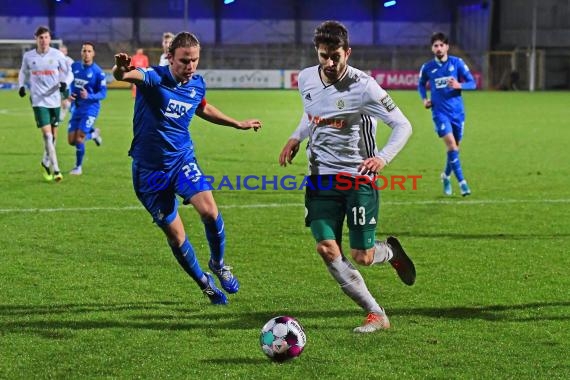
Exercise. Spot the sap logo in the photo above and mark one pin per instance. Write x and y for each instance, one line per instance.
(441, 82)
(175, 108)
(80, 83)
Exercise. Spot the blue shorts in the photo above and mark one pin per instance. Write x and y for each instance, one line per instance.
(444, 125)
(85, 123)
(157, 189)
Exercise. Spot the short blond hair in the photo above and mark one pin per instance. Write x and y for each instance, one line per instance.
(167, 35)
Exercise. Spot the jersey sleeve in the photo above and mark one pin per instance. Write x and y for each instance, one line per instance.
(377, 102)
(72, 87)
(23, 75)
(69, 78)
(101, 87)
(64, 68)
(422, 83)
(303, 129)
(150, 77)
(465, 76)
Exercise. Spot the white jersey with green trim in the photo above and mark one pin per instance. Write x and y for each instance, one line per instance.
(43, 72)
(340, 121)
(69, 78)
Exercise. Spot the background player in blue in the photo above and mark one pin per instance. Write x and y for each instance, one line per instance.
(164, 164)
(88, 88)
(447, 76)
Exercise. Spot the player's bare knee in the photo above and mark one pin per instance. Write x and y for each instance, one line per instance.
(209, 214)
(328, 250)
(174, 237)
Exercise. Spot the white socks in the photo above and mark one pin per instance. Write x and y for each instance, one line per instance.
(382, 252)
(50, 149)
(352, 284)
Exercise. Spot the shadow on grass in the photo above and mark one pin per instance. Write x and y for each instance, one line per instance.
(225, 361)
(482, 236)
(533, 312)
(58, 321)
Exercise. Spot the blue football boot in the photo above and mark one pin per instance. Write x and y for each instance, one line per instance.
(465, 191)
(228, 281)
(446, 184)
(216, 296)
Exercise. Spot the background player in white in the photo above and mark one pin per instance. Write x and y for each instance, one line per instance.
(166, 40)
(341, 105)
(45, 69)
(65, 101)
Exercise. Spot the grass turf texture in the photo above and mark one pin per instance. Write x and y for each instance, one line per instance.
(89, 288)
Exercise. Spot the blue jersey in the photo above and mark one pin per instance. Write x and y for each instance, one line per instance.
(163, 111)
(92, 79)
(445, 100)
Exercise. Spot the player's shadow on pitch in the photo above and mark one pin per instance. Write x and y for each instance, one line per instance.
(498, 313)
(248, 361)
(61, 320)
(479, 236)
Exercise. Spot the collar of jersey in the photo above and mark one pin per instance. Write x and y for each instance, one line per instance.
(336, 81)
(178, 84)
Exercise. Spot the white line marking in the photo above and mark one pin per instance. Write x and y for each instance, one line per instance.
(458, 202)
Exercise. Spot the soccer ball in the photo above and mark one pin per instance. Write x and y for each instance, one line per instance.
(282, 338)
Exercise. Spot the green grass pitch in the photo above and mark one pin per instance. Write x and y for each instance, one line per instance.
(89, 288)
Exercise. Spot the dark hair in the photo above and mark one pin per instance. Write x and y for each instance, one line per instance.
(439, 36)
(89, 43)
(183, 39)
(331, 33)
(41, 30)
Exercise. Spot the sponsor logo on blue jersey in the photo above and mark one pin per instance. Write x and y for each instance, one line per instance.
(80, 83)
(176, 108)
(441, 82)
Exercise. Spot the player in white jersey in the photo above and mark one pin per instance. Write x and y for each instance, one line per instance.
(45, 69)
(65, 102)
(341, 105)
(166, 40)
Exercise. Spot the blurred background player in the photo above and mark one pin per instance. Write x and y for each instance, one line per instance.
(164, 163)
(447, 75)
(65, 101)
(89, 87)
(166, 40)
(140, 59)
(45, 69)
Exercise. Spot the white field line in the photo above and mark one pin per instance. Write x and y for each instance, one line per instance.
(458, 202)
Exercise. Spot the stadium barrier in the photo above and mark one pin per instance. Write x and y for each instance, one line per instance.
(259, 79)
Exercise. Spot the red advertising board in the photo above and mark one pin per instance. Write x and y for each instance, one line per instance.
(388, 79)
(404, 79)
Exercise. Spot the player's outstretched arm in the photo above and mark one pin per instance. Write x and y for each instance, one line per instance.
(213, 115)
(124, 71)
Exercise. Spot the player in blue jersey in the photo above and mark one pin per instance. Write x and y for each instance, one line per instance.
(164, 164)
(447, 76)
(88, 88)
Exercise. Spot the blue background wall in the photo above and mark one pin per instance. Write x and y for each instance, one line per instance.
(292, 21)
(244, 21)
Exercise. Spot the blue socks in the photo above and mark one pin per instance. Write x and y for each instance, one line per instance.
(447, 168)
(455, 164)
(216, 235)
(79, 154)
(187, 259)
